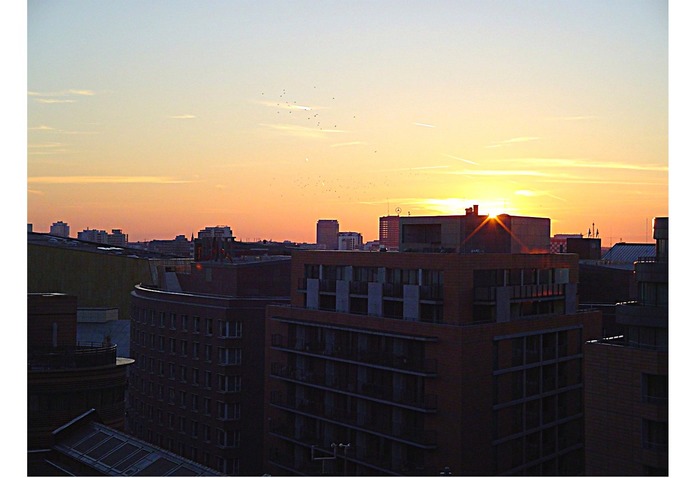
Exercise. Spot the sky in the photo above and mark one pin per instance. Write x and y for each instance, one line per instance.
(163, 117)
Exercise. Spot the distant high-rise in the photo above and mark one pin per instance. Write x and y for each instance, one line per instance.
(60, 228)
(215, 231)
(349, 241)
(117, 238)
(389, 232)
(93, 235)
(327, 233)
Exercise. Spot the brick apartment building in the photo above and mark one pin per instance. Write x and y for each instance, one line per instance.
(416, 363)
(626, 395)
(198, 340)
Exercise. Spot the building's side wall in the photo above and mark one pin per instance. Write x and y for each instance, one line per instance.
(616, 409)
(97, 280)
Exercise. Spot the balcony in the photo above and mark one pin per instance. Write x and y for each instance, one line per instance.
(402, 363)
(359, 421)
(534, 291)
(359, 389)
(83, 355)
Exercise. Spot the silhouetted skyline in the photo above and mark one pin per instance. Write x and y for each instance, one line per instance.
(164, 117)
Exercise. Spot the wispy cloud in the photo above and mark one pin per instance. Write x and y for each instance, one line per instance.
(71, 92)
(583, 163)
(573, 118)
(303, 131)
(50, 101)
(417, 168)
(350, 143)
(185, 116)
(105, 180)
(530, 193)
(285, 105)
(58, 97)
(460, 159)
(425, 125)
(500, 172)
(519, 139)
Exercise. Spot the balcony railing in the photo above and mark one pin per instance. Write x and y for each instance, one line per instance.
(399, 362)
(424, 402)
(83, 355)
(363, 421)
(534, 291)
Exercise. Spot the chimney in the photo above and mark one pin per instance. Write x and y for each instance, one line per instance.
(476, 209)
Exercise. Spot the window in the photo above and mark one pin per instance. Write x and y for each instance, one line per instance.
(194, 426)
(207, 379)
(183, 373)
(171, 371)
(183, 348)
(208, 328)
(207, 352)
(184, 320)
(172, 345)
(229, 356)
(195, 350)
(195, 324)
(230, 383)
(161, 323)
(230, 329)
(161, 343)
(173, 321)
(655, 435)
(195, 403)
(195, 376)
(655, 389)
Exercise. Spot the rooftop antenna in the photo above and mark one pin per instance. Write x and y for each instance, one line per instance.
(398, 211)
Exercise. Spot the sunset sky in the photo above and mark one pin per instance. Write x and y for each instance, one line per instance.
(164, 117)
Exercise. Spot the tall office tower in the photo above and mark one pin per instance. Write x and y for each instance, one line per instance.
(389, 232)
(421, 364)
(198, 342)
(67, 378)
(327, 233)
(60, 228)
(626, 395)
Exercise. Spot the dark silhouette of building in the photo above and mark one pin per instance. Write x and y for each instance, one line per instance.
(327, 233)
(198, 342)
(65, 377)
(626, 377)
(472, 233)
(99, 275)
(411, 364)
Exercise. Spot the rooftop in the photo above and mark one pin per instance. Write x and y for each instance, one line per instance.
(43, 239)
(113, 453)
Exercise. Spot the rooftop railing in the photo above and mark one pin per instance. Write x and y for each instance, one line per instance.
(83, 355)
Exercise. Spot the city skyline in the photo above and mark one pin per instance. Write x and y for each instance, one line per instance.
(163, 118)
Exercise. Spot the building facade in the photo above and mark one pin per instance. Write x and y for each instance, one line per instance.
(411, 364)
(626, 396)
(389, 232)
(197, 385)
(327, 233)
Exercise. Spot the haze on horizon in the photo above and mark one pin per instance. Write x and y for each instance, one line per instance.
(161, 118)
